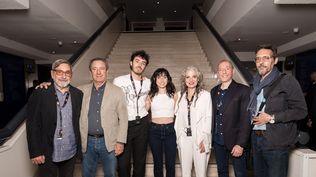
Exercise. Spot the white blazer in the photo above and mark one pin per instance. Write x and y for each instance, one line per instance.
(201, 119)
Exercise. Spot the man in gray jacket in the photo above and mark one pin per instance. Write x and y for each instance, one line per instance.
(103, 121)
(274, 114)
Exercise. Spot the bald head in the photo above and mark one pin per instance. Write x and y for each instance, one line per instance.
(225, 71)
(225, 61)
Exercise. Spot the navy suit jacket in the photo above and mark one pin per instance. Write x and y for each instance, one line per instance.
(236, 120)
(41, 120)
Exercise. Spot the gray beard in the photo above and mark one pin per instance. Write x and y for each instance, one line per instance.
(62, 84)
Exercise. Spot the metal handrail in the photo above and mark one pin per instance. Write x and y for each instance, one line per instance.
(244, 72)
(19, 118)
(13, 124)
(73, 59)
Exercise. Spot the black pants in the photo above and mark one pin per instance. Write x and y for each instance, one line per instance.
(136, 148)
(312, 140)
(60, 169)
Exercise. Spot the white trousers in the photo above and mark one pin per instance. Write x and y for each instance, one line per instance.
(189, 154)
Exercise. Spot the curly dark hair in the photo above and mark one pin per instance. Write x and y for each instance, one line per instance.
(171, 89)
(142, 54)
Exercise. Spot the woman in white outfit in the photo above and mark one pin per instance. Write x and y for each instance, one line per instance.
(162, 137)
(193, 123)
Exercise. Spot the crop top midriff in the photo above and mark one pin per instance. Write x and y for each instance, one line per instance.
(162, 106)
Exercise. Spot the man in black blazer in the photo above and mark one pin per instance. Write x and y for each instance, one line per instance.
(52, 124)
(231, 122)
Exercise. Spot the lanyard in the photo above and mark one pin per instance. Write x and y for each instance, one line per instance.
(140, 90)
(189, 102)
(60, 132)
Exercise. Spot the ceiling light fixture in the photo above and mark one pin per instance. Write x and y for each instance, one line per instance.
(238, 40)
(60, 43)
(143, 11)
(158, 2)
(296, 30)
(175, 11)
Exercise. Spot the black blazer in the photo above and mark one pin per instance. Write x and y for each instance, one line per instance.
(236, 123)
(41, 120)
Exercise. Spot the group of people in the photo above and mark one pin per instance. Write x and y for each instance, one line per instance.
(113, 123)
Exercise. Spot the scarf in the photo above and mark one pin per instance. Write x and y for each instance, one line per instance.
(258, 86)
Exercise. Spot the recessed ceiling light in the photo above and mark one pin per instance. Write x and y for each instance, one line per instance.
(175, 11)
(60, 43)
(158, 2)
(296, 30)
(75, 42)
(239, 39)
(53, 52)
(143, 11)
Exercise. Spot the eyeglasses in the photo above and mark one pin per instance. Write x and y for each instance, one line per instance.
(263, 58)
(61, 73)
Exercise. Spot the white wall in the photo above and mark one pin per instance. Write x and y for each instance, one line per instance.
(14, 157)
(99, 48)
(211, 47)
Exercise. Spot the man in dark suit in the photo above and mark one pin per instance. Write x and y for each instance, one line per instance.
(231, 123)
(52, 124)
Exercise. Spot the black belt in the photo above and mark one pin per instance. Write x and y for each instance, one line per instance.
(96, 136)
(140, 121)
(259, 132)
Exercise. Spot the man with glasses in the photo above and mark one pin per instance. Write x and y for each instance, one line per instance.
(276, 103)
(52, 124)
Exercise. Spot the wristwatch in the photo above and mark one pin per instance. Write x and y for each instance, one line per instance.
(272, 119)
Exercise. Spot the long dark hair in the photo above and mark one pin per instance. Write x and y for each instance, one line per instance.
(171, 89)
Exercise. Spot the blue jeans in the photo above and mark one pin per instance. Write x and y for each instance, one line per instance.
(162, 140)
(268, 162)
(222, 155)
(96, 150)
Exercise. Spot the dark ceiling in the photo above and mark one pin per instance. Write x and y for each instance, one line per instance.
(150, 10)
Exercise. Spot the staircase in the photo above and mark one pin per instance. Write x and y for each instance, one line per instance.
(171, 50)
